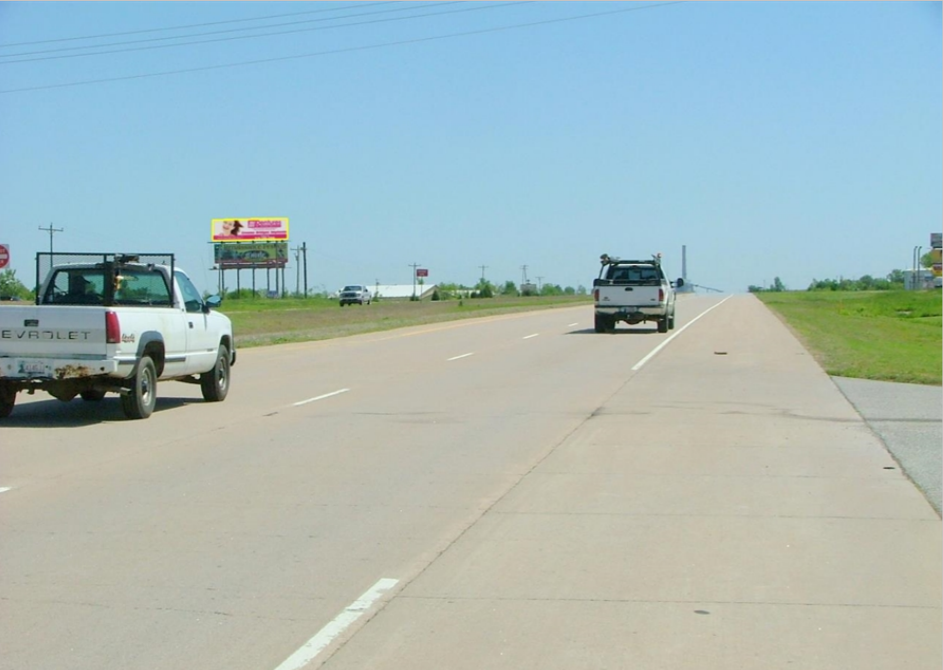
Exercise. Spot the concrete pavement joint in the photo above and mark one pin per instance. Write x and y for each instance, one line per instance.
(642, 601)
(689, 515)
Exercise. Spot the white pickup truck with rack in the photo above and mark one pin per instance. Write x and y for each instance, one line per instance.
(113, 323)
(633, 291)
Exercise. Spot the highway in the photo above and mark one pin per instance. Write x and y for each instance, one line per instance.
(508, 492)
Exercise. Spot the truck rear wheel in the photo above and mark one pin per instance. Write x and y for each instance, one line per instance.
(600, 324)
(7, 400)
(139, 401)
(215, 383)
(663, 325)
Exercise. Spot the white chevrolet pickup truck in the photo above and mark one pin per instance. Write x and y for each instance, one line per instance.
(634, 292)
(113, 323)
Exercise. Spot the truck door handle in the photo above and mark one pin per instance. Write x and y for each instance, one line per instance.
(191, 323)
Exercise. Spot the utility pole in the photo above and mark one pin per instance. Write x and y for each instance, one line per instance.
(414, 266)
(483, 268)
(538, 283)
(523, 274)
(304, 253)
(51, 231)
(297, 251)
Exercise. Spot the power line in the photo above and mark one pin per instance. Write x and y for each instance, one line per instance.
(260, 61)
(51, 232)
(185, 27)
(240, 37)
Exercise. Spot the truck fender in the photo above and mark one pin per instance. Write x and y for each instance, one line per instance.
(151, 344)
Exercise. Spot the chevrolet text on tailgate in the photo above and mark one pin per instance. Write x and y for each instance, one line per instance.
(113, 323)
(634, 292)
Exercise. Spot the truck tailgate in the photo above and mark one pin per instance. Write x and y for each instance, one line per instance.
(52, 332)
(628, 296)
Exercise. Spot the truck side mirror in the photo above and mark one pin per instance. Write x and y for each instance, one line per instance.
(679, 282)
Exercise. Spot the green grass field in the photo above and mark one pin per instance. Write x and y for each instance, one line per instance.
(883, 335)
(263, 321)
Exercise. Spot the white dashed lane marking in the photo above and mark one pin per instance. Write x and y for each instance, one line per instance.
(320, 397)
(341, 622)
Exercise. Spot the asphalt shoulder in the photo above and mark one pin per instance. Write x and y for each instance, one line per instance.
(909, 420)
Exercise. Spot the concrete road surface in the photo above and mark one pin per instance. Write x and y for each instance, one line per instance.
(512, 492)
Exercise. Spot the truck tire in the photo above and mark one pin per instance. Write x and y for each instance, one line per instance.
(92, 395)
(671, 321)
(600, 324)
(215, 383)
(663, 325)
(139, 401)
(7, 400)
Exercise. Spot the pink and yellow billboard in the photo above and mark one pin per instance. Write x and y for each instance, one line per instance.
(262, 229)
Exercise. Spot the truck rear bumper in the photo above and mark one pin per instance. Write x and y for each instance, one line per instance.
(40, 369)
(628, 312)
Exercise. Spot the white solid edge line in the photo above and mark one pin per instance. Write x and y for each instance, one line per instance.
(455, 358)
(340, 623)
(4, 489)
(638, 366)
(527, 337)
(320, 397)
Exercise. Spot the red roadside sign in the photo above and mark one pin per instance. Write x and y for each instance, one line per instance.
(4, 255)
(421, 272)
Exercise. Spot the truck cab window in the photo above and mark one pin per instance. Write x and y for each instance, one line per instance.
(140, 287)
(192, 300)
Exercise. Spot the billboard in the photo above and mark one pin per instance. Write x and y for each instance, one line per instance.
(250, 254)
(422, 272)
(270, 229)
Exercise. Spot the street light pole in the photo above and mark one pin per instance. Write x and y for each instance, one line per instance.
(414, 266)
(913, 270)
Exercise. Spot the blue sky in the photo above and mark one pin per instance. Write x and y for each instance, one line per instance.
(798, 140)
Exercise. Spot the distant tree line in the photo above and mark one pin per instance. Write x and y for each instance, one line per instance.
(893, 281)
(485, 289)
(12, 288)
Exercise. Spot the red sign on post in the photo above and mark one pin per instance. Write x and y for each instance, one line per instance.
(4, 255)
(420, 272)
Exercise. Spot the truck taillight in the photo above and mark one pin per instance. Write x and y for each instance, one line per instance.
(596, 295)
(112, 328)
(661, 295)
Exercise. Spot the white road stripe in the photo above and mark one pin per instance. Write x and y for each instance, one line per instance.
(575, 323)
(341, 622)
(455, 358)
(527, 337)
(320, 397)
(638, 366)
(4, 489)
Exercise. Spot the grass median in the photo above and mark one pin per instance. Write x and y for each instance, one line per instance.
(262, 322)
(884, 335)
